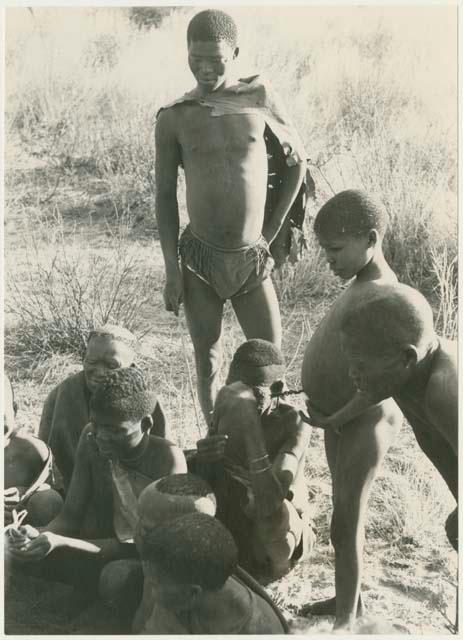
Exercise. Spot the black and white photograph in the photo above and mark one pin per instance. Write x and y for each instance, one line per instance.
(230, 319)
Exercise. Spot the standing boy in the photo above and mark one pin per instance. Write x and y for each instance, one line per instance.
(350, 228)
(216, 132)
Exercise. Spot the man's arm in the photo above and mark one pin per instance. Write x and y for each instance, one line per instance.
(292, 180)
(46, 418)
(166, 172)
(357, 405)
(291, 453)
(442, 405)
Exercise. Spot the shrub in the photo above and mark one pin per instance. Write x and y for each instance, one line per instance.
(62, 293)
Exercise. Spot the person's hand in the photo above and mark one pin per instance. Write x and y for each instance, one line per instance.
(211, 449)
(316, 418)
(29, 545)
(173, 292)
(10, 502)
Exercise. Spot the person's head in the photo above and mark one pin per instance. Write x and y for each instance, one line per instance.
(212, 39)
(187, 557)
(259, 364)
(385, 335)
(10, 409)
(108, 347)
(171, 497)
(350, 228)
(120, 411)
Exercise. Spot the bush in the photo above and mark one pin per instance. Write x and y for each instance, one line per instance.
(62, 293)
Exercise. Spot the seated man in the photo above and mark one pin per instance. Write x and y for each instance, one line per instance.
(27, 470)
(67, 408)
(254, 459)
(393, 350)
(189, 562)
(116, 459)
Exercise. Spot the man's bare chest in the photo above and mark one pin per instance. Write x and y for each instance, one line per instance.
(200, 132)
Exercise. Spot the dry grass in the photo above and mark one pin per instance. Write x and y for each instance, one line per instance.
(81, 240)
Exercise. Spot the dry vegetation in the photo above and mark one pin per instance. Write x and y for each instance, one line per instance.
(373, 92)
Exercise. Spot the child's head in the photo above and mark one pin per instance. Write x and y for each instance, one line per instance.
(9, 409)
(186, 557)
(350, 227)
(108, 347)
(259, 364)
(120, 411)
(171, 497)
(212, 38)
(385, 335)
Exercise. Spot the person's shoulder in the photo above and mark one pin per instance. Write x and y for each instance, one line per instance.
(31, 447)
(442, 386)
(69, 384)
(168, 456)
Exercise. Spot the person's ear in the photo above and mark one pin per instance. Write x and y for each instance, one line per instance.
(373, 237)
(146, 424)
(235, 53)
(410, 356)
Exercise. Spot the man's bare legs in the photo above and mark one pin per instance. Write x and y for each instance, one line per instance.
(354, 458)
(258, 313)
(204, 311)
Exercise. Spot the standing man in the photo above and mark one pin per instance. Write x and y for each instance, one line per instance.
(217, 133)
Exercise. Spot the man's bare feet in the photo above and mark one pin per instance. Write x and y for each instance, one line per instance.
(327, 608)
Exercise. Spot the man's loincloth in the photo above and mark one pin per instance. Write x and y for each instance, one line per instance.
(230, 272)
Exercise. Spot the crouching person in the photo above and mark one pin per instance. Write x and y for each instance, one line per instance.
(189, 562)
(254, 459)
(116, 459)
(28, 463)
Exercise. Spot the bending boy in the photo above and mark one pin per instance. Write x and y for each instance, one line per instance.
(254, 458)
(393, 350)
(350, 228)
(216, 133)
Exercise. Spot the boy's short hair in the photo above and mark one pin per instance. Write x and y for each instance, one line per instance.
(212, 25)
(389, 318)
(257, 362)
(187, 485)
(124, 392)
(192, 549)
(113, 332)
(351, 212)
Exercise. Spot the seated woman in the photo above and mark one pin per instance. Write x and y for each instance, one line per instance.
(67, 408)
(254, 458)
(27, 470)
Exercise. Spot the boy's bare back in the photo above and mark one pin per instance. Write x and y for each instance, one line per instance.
(325, 370)
(225, 162)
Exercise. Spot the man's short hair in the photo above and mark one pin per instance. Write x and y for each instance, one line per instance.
(351, 212)
(389, 318)
(213, 25)
(185, 484)
(257, 362)
(124, 392)
(192, 549)
(113, 332)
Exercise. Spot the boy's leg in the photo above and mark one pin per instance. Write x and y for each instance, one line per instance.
(362, 447)
(258, 313)
(204, 311)
(43, 506)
